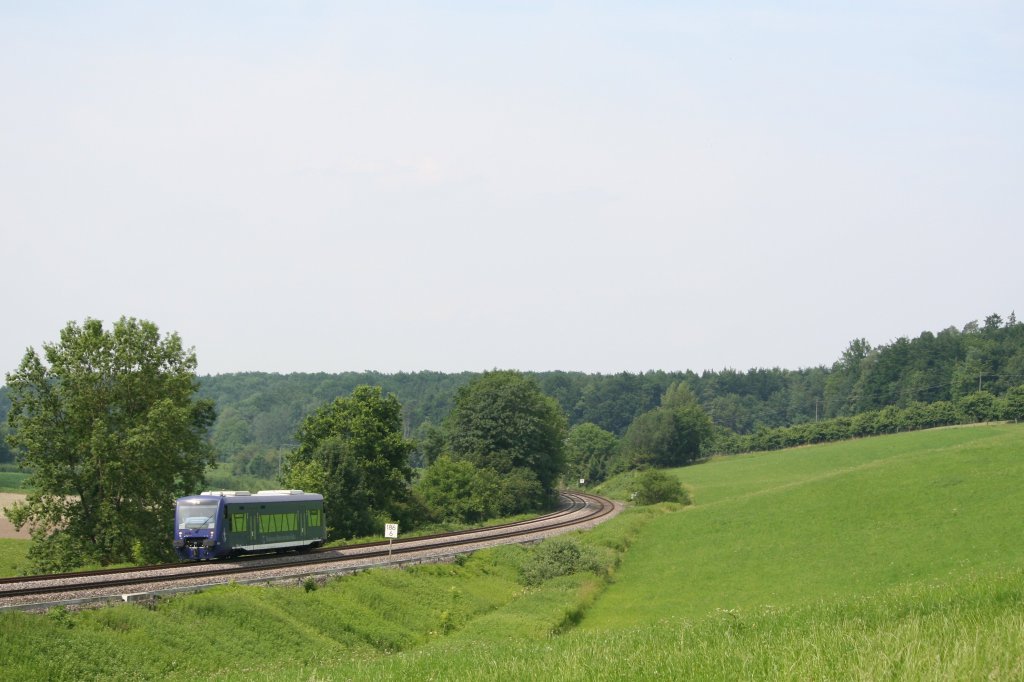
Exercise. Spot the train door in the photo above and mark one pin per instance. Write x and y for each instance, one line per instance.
(253, 517)
(240, 527)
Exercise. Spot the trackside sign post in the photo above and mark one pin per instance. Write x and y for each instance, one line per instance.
(390, 532)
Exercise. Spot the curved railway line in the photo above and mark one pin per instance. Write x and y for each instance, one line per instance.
(579, 510)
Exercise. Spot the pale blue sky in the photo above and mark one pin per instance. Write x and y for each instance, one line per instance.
(460, 186)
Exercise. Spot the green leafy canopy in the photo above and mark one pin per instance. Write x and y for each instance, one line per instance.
(352, 452)
(110, 428)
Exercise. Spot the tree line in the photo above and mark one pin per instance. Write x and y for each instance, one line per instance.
(971, 408)
(113, 424)
(258, 413)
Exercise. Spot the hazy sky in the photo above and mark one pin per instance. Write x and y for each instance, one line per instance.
(595, 186)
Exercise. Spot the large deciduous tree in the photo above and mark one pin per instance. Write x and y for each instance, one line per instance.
(588, 451)
(457, 490)
(502, 421)
(352, 452)
(110, 427)
(670, 435)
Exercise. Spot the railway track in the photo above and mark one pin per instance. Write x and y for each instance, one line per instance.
(36, 592)
(572, 503)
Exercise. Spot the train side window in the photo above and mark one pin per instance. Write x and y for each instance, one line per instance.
(238, 523)
(314, 518)
(279, 523)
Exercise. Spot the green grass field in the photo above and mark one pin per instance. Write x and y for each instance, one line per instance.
(11, 482)
(13, 559)
(828, 521)
(898, 557)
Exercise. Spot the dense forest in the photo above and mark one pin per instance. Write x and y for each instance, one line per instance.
(258, 414)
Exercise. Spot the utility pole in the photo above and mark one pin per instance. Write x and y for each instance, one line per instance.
(815, 409)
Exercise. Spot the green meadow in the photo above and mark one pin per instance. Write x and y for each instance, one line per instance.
(836, 520)
(11, 482)
(896, 557)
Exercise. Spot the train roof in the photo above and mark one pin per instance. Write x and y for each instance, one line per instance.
(246, 497)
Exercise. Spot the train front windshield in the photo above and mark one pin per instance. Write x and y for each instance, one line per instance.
(196, 516)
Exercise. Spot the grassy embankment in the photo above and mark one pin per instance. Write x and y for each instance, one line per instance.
(13, 559)
(891, 557)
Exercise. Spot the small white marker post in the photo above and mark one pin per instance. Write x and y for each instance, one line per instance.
(582, 481)
(390, 532)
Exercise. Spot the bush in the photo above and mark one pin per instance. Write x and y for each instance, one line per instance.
(977, 407)
(656, 486)
(557, 557)
(457, 490)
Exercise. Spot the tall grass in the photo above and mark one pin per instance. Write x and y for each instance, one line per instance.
(970, 628)
(237, 632)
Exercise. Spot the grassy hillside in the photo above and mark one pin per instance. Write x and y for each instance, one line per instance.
(896, 557)
(828, 521)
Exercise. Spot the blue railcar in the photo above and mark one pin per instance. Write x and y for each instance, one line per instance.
(220, 523)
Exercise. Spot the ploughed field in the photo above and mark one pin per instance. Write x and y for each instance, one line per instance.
(7, 530)
(894, 557)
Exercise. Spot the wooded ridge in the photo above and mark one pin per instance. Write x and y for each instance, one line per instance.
(258, 413)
